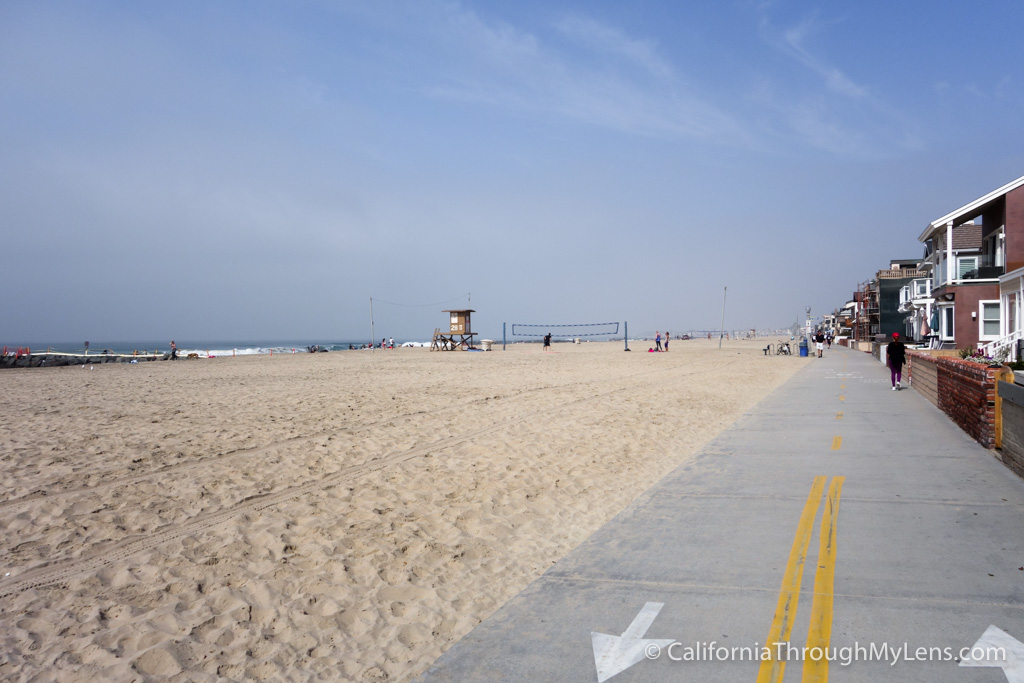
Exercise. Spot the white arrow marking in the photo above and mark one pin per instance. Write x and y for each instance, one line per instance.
(1012, 666)
(614, 654)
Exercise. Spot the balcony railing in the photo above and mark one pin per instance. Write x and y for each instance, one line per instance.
(900, 274)
(985, 273)
(918, 289)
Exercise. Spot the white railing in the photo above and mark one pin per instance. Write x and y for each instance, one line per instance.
(1007, 344)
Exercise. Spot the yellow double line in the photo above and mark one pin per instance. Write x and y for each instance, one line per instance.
(820, 632)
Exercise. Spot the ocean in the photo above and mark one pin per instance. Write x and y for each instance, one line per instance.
(210, 349)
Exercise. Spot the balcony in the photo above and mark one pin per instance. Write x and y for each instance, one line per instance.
(900, 274)
(988, 268)
(916, 290)
(985, 273)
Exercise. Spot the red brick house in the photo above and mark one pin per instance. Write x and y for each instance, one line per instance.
(976, 259)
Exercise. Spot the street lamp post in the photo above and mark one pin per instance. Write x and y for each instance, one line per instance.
(807, 327)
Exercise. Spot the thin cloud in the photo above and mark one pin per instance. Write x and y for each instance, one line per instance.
(619, 82)
(610, 41)
(842, 117)
(793, 41)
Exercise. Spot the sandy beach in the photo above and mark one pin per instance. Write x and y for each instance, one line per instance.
(339, 516)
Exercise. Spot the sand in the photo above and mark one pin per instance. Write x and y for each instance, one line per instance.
(340, 516)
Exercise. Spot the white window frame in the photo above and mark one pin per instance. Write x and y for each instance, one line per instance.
(993, 246)
(981, 319)
(947, 327)
(961, 265)
(1010, 321)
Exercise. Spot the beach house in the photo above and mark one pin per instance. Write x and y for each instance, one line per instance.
(975, 256)
(892, 285)
(918, 307)
(879, 302)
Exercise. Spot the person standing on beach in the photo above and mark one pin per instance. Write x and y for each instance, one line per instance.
(666, 341)
(174, 350)
(896, 356)
(547, 341)
(657, 341)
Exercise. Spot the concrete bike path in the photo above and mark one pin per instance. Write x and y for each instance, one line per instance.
(836, 516)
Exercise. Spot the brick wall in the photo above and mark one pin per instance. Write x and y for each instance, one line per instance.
(963, 390)
(967, 393)
(1013, 219)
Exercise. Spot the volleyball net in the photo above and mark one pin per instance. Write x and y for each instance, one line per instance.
(565, 330)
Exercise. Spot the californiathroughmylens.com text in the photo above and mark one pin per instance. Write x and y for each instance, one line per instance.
(844, 656)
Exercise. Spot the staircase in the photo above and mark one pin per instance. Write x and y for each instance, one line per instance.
(1007, 345)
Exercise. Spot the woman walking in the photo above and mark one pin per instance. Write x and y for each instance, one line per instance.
(896, 355)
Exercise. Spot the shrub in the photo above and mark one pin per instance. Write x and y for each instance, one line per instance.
(969, 353)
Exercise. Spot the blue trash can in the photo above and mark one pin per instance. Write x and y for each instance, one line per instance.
(803, 348)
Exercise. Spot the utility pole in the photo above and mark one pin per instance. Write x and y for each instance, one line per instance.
(721, 328)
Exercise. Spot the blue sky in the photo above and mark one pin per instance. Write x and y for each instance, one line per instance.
(257, 170)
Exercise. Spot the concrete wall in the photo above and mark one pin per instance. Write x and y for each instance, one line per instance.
(1012, 453)
(922, 374)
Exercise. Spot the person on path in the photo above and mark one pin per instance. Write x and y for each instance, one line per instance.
(819, 342)
(896, 356)
(657, 341)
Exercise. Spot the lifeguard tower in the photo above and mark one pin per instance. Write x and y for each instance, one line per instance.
(459, 334)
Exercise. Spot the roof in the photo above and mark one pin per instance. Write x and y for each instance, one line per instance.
(969, 211)
(967, 236)
(461, 310)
